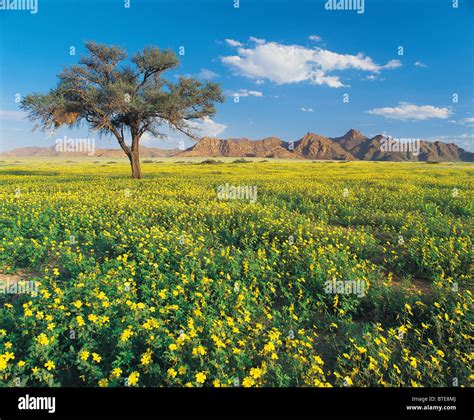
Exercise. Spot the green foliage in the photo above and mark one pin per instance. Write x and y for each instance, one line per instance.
(166, 285)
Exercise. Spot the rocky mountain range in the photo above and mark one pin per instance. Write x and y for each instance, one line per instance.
(351, 146)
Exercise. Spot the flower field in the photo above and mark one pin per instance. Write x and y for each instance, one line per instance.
(159, 282)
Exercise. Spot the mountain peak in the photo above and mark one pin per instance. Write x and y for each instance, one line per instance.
(314, 136)
(354, 134)
(315, 146)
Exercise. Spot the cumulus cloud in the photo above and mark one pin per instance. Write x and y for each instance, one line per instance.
(407, 111)
(307, 109)
(284, 64)
(233, 43)
(333, 61)
(259, 41)
(207, 127)
(315, 38)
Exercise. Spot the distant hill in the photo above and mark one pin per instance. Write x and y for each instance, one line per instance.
(110, 153)
(314, 146)
(270, 147)
(364, 148)
(351, 146)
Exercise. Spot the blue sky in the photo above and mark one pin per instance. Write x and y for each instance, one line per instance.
(291, 62)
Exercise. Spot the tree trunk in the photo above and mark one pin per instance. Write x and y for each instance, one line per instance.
(135, 162)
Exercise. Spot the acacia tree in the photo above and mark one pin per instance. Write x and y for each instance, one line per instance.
(125, 101)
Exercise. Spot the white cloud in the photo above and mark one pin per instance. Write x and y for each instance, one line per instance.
(293, 63)
(259, 41)
(420, 64)
(206, 127)
(148, 139)
(233, 43)
(307, 109)
(315, 38)
(259, 82)
(373, 77)
(245, 92)
(407, 111)
(12, 115)
(251, 92)
(333, 61)
(465, 121)
(207, 74)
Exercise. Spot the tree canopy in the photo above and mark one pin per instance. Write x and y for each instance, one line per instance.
(126, 100)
